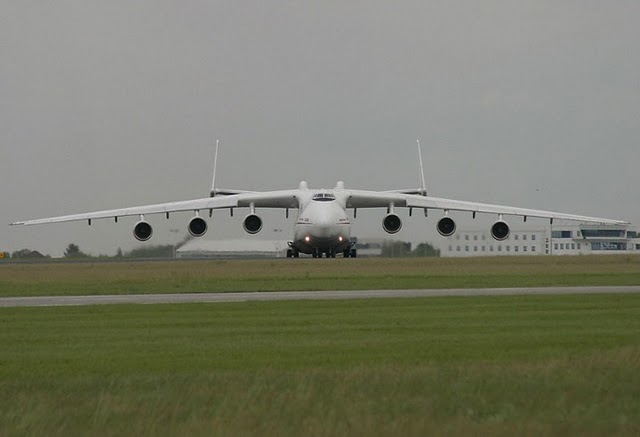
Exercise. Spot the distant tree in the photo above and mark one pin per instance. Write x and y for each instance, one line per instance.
(27, 254)
(119, 253)
(5, 255)
(396, 249)
(426, 249)
(73, 251)
(158, 251)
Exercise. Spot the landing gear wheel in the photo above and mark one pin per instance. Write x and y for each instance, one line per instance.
(289, 253)
(354, 253)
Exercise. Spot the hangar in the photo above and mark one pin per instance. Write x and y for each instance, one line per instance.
(248, 248)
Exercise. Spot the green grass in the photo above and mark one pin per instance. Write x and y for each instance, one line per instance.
(518, 365)
(308, 274)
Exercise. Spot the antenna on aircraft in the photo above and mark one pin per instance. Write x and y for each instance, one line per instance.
(423, 187)
(215, 165)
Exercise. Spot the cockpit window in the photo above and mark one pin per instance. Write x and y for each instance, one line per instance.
(324, 197)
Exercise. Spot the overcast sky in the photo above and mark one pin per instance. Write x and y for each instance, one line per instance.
(107, 104)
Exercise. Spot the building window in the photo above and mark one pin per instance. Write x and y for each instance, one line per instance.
(573, 246)
(560, 234)
(524, 237)
(605, 245)
(515, 248)
(499, 248)
(524, 248)
(579, 246)
(475, 238)
(483, 237)
(533, 237)
(491, 248)
(466, 248)
(533, 248)
(637, 246)
(466, 237)
(458, 249)
(475, 248)
(607, 233)
(508, 248)
(450, 248)
(561, 246)
(484, 248)
(515, 237)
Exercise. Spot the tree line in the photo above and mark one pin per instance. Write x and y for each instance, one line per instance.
(390, 249)
(402, 249)
(73, 251)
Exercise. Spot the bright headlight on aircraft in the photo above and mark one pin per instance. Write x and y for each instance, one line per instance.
(340, 239)
(307, 238)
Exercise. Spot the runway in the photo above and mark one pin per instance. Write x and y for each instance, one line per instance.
(297, 295)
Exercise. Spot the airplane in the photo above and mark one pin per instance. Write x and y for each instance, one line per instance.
(323, 226)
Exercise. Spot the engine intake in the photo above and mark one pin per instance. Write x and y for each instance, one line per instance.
(392, 223)
(197, 227)
(142, 231)
(500, 230)
(446, 226)
(252, 224)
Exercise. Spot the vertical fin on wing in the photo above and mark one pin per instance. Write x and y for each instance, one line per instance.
(423, 186)
(215, 166)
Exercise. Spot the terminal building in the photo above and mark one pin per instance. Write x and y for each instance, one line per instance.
(556, 240)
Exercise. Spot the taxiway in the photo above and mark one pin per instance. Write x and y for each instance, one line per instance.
(298, 295)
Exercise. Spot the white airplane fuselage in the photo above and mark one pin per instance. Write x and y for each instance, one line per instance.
(322, 225)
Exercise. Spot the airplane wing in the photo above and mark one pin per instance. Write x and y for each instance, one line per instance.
(269, 199)
(377, 199)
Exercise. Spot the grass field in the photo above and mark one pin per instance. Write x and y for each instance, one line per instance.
(511, 365)
(528, 365)
(315, 274)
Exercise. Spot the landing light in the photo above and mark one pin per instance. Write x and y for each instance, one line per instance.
(340, 239)
(307, 239)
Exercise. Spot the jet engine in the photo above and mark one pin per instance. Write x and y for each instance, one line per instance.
(142, 231)
(252, 224)
(197, 226)
(391, 223)
(446, 226)
(500, 230)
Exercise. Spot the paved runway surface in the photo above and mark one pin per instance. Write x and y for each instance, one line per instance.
(296, 295)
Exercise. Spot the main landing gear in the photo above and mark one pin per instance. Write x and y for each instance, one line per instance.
(350, 253)
(331, 253)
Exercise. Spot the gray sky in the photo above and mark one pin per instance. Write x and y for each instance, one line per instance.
(107, 104)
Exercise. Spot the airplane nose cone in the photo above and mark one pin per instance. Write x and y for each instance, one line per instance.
(325, 226)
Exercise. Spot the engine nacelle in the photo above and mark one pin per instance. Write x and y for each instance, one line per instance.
(446, 226)
(252, 224)
(500, 230)
(391, 223)
(142, 231)
(197, 227)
